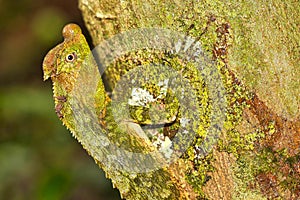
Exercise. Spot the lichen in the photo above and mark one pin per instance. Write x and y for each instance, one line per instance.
(245, 40)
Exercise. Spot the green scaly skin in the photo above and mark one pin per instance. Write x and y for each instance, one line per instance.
(63, 65)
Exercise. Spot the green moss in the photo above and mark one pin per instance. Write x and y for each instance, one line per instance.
(243, 38)
(205, 22)
(210, 26)
(266, 161)
(141, 114)
(198, 177)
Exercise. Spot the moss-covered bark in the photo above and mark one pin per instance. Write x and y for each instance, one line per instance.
(255, 46)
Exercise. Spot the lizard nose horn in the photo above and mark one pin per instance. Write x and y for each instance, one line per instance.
(49, 65)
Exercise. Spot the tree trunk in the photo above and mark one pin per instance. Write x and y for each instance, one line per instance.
(255, 48)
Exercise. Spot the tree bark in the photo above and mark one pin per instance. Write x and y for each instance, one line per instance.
(255, 46)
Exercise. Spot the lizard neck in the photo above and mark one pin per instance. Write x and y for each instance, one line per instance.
(63, 84)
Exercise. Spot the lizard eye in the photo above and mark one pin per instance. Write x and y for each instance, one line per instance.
(71, 57)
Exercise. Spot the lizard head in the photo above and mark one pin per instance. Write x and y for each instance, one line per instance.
(63, 63)
(67, 57)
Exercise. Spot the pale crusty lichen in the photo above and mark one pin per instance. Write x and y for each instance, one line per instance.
(244, 46)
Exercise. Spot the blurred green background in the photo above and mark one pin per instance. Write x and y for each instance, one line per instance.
(39, 159)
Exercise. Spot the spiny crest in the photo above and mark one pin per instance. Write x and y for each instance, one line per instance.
(66, 57)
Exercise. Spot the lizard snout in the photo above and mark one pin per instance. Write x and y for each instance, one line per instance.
(49, 64)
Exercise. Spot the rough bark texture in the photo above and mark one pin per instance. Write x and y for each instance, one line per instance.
(255, 46)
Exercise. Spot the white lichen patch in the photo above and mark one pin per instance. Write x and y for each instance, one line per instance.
(184, 122)
(197, 152)
(166, 147)
(163, 88)
(163, 83)
(164, 144)
(140, 97)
